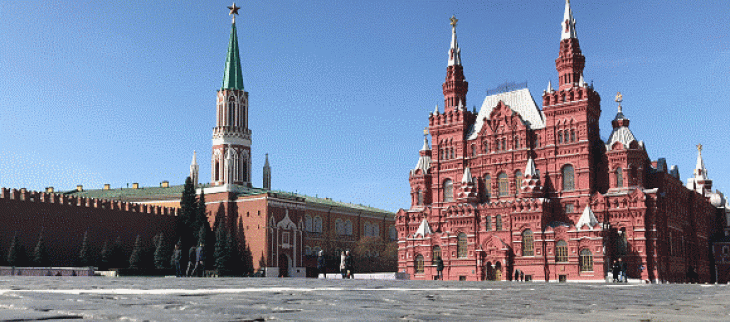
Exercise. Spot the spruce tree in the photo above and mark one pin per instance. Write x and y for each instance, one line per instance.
(188, 210)
(117, 254)
(135, 260)
(84, 252)
(105, 256)
(244, 253)
(201, 216)
(161, 252)
(40, 254)
(222, 250)
(15, 251)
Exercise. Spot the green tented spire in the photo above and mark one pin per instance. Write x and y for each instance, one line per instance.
(232, 76)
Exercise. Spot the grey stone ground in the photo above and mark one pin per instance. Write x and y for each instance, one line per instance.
(260, 299)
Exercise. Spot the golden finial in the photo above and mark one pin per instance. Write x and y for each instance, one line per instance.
(425, 131)
(453, 21)
(699, 147)
(619, 99)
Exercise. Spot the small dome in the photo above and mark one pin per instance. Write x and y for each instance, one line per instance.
(717, 200)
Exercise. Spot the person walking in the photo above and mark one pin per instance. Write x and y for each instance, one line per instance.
(191, 261)
(439, 268)
(615, 270)
(321, 267)
(343, 269)
(176, 257)
(624, 267)
(199, 269)
(349, 265)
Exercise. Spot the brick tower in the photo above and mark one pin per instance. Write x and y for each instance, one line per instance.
(231, 162)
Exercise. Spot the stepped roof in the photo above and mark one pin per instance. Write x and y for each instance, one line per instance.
(520, 101)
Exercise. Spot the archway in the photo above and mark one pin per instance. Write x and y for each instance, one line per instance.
(284, 265)
(489, 271)
(498, 271)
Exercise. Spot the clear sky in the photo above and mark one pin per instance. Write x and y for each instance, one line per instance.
(119, 92)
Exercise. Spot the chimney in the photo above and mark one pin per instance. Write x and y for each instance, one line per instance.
(49, 189)
(79, 188)
(135, 185)
(107, 186)
(165, 184)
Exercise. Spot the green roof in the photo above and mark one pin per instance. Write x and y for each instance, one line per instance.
(232, 76)
(174, 192)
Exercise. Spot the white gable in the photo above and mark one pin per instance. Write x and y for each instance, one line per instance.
(520, 101)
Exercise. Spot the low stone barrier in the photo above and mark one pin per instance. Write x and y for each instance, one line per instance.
(46, 271)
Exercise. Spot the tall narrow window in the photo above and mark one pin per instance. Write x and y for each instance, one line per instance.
(498, 223)
(537, 140)
(503, 184)
(436, 252)
(527, 243)
(461, 246)
(568, 178)
(487, 186)
(619, 178)
(585, 261)
(473, 150)
(504, 144)
(499, 145)
(419, 264)
(488, 223)
(448, 190)
(572, 135)
(486, 147)
(420, 197)
(516, 139)
(518, 180)
(560, 136)
(561, 251)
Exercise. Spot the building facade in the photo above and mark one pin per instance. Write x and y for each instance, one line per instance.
(515, 190)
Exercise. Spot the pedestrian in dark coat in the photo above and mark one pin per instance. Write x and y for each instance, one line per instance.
(624, 267)
(321, 267)
(616, 270)
(176, 257)
(439, 268)
(200, 260)
(191, 261)
(349, 265)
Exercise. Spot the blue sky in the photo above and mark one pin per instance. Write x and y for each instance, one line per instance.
(121, 92)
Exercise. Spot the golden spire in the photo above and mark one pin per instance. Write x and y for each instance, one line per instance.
(699, 147)
(454, 21)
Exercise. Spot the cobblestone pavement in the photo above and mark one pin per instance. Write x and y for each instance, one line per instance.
(261, 299)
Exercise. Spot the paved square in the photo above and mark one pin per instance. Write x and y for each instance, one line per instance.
(261, 299)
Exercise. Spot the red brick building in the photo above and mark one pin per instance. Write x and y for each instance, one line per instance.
(283, 230)
(519, 189)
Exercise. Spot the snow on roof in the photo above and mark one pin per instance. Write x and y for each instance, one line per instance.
(622, 134)
(587, 218)
(520, 101)
(423, 229)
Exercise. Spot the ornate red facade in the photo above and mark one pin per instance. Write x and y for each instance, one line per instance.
(515, 189)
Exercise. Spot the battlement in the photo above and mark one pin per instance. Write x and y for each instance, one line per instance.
(24, 195)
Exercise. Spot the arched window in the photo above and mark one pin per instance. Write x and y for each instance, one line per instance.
(499, 145)
(348, 228)
(568, 178)
(448, 190)
(518, 180)
(516, 139)
(486, 147)
(436, 252)
(488, 223)
(561, 251)
(504, 144)
(498, 223)
(339, 225)
(572, 135)
(537, 140)
(392, 233)
(442, 156)
(527, 243)
(420, 197)
(503, 184)
(375, 228)
(473, 150)
(366, 230)
(461, 246)
(560, 136)
(419, 264)
(308, 224)
(453, 155)
(318, 224)
(586, 260)
(487, 186)
(619, 178)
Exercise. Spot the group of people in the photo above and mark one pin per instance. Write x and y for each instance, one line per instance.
(618, 269)
(196, 261)
(347, 264)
